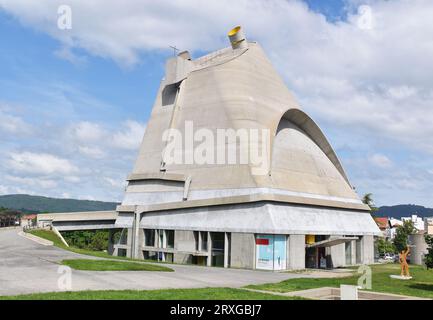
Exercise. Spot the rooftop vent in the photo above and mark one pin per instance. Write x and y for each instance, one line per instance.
(237, 38)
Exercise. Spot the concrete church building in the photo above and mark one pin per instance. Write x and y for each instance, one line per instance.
(300, 213)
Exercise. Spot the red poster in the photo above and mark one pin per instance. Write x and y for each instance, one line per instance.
(262, 242)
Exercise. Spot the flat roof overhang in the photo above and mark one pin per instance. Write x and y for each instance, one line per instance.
(331, 242)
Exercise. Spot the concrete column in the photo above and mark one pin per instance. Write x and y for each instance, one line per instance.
(296, 252)
(367, 247)
(136, 231)
(419, 250)
(200, 241)
(129, 242)
(209, 250)
(338, 255)
(226, 250)
(164, 239)
(156, 239)
(353, 262)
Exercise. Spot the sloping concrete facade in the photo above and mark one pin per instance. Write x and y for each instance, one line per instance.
(302, 190)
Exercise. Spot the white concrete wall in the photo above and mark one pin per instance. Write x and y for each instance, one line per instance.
(296, 252)
(243, 250)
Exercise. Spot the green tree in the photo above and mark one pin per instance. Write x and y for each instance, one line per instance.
(368, 200)
(385, 246)
(428, 258)
(99, 241)
(402, 235)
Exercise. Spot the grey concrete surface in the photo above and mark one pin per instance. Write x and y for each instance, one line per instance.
(29, 267)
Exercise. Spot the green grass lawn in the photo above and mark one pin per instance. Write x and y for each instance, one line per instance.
(111, 265)
(420, 286)
(172, 294)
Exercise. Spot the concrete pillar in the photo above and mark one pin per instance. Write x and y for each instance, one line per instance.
(129, 242)
(353, 247)
(164, 238)
(200, 240)
(209, 250)
(156, 239)
(338, 255)
(420, 248)
(135, 236)
(226, 250)
(367, 247)
(296, 244)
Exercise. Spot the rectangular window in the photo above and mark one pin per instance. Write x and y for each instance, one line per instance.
(196, 241)
(149, 237)
(161, 243)
(203, 240)
(170, 238)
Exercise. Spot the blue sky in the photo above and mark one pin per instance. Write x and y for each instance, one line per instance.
(74, 104)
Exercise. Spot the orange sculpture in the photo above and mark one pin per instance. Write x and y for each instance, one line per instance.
(403, 262)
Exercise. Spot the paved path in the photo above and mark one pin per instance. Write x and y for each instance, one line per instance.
(29, 267)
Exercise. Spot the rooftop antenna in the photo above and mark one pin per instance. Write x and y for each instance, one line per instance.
(175, 50)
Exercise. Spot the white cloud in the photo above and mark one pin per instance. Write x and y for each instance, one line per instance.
(33, 182)
(92, 152)
(68, 55)
(119, 184)
(130, 137)
(12, 124)
(72, 179)
(4, 189)
(40, 163)
(88, 132)
(380, 160)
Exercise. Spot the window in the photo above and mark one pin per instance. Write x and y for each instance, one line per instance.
(161, 243)
(121, 252)
(170, 238)
(149, 237)
(203, 240)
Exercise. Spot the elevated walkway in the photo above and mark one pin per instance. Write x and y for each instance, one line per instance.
(70, 221)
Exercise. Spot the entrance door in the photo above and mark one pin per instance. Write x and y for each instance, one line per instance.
(271, 252)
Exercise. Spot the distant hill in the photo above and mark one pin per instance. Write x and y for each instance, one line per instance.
(404, 210)
(37, 204)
